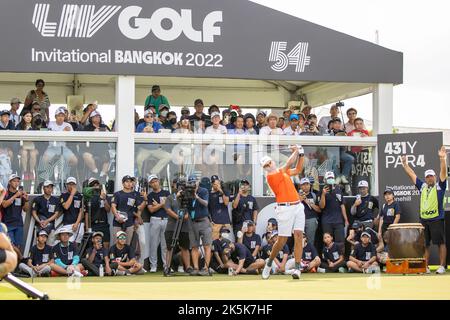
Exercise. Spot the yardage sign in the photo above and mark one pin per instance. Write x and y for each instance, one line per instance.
(421, 151)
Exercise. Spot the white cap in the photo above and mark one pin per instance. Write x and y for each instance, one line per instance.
(92, 179)
(147, 112)
(265, 160)
(13, 176)
(430, 172)
(119, 233)
(94, 113)
(363, 184)
(48, 183)
(329, 175)
(60, 110)
(304, 180)
(64, 229)
(71, 180)
(215, 114)
(151, 177)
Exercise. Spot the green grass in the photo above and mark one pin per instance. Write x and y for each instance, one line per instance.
(311, 286)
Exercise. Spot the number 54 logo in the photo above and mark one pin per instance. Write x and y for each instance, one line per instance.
(297, 56)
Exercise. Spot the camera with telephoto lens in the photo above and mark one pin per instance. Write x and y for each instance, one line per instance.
(37, 122)
(339, 104)
(187, 189)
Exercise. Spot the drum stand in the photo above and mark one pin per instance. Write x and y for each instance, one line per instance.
(406, 266)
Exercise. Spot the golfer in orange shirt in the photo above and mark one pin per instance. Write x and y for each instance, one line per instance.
(290, 211)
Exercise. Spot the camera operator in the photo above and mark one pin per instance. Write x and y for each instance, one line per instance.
(156, 201)
(45, 208)
(218, 207)
(244, 206)
(127, 206)
(95, 256)
(173, 205)
(100, 207)
(201, 226)
(37, 122)
(72, 210)
(365, 207)
(334, 215)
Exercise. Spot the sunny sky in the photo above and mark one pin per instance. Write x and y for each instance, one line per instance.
(420, 30)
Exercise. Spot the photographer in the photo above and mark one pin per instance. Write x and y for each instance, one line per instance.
(126, 206)
(356, 230)
(175, 212)
(311, 126)
(244, 206)
(310, 201)
(99, 210)
(218, 207)
(201, 226)
(13, 204)
(72, 210)
(365, 207)
(37, 122)
(95, 257)
(334, 215)
(45, 208)
(156, 201)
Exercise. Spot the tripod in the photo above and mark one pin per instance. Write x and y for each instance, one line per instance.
(28, 290)
(176, 235)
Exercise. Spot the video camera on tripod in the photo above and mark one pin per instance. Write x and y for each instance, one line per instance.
(187, 194)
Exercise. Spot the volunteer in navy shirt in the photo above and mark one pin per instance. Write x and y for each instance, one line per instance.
(40, 257)
(218, 262)
(72, 209)
(282, 256)
(124, 206)
(15, 201)
(65, 254)
(432, 214)
(242, 257)
(332, 255)
(390, 212)
(46, 208)
(122, 257)
(357, 230)
(311, 204)
(156, 201)
(244, 206)
(250, 239)
(310, 258)
(365, 207)
(95, 256)
(218, 207)
(364, 255)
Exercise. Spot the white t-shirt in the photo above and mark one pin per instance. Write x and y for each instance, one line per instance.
(289, 132)
(266, 131)
(220, 130)
(53, 126)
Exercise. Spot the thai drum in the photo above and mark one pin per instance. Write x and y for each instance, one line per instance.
(405, 241)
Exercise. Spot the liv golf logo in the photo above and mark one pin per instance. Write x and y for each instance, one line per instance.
(83, 21)
(297, 56)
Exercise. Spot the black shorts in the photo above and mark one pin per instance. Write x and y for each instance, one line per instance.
(248, 262)
(104, 228)
(2, 255)
(183, 240)
(434, 232)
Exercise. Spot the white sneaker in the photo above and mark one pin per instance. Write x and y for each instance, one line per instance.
(180, 269)
(296, 274)
(77, 274)
(152, 269)
(344, 180)
(266, 272)
(428, 271)
(321, 270)
(440, 270)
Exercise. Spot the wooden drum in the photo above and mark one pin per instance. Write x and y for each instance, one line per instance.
(405, 241)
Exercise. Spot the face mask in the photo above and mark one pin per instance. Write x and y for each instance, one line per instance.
(164, 113)
(173, 121)
(331, 181)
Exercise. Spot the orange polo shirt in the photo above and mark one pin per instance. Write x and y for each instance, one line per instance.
(283, 187)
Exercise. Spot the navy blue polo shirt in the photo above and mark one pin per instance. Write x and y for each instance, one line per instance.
(441, 187)
(70, 215)
(332, 212)
(99, 258)
(65, 254)
(127, 203)
(217, 209)
(364, 253)
(365, 210)
(247, 205)
(98, 210)
(46, 208)
(373, 235)
(309, 252)
(158, 197)
(121, 255)
(389, 212)
(252, 241)
(12, 216)
(331, 253)
(241, 252)
(40, 256)
(267, 249)
(201, 211)
(310, 213)
(218, 246)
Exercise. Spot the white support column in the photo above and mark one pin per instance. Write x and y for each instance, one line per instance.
(125, 95)
(382, 119)
(383, 105)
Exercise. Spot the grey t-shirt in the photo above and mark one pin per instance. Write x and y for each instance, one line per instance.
(173, 204)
